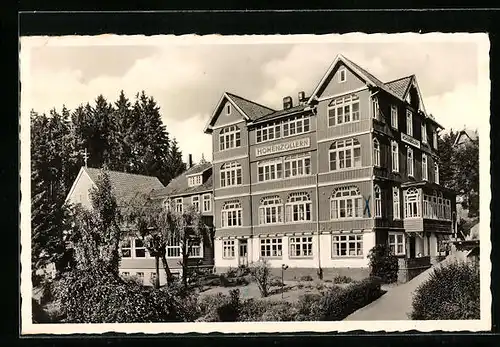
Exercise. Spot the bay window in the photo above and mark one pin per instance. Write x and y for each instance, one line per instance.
(412, 203)
(346, 203)
(344, 154)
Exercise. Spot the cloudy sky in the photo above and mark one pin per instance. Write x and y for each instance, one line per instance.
(188, 77)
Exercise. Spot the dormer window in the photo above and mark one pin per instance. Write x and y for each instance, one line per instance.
(228, 109)
(342, 75)
(194, 180)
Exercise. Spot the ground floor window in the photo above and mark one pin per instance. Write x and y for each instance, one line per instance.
(174, 247)
(347, 245)
(140, 275)
(228, 249)
(126, 248)
(301, 246)
(397, 243)
(271, 247)
(195, 248)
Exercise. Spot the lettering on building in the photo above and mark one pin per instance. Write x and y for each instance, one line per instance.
(283, 147)
(410, 140)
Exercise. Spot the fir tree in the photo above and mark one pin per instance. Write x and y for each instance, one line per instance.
(177, 165)
(446, 166)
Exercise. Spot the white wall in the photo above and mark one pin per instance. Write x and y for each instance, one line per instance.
(218, 252)
(434, 248)
(80, 193)
(147, 274)
(326, 252)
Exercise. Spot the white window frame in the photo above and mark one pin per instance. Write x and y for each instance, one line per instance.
(271, 210)
(425, 171)
(341, 110)
(348, 240)
(375, 108)
(298, 205)
(300, 246)
(297, 165)
(140, 274)
(342, 72)
(140, 248)
(412, 203)
(393, 241)
(344, 147)
(195, 248)
(179, 205)
(231, 214)
(167, 203)
(207, 201)
(395, 156)
(271, 247)
(268, 132)
(394, 116)
(229, 137)
(409, 122)
(436, 172)
(424, 133)
(377, 193)
(396, 204)
(340, 199)
(434, 139)
(299, 125)
(231, 174)
(173, 248)
(194, 181)
(129, 248)
(270, 170)
(228, 249)
(410, 160)
(376, 152)
(195, 201)
(152, 277)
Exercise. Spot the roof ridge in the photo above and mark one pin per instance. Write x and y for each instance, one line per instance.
(120, 172)
(253, 102)
(399, 79)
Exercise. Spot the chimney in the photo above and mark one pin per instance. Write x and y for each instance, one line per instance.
(190, 161)
(302, 97)
(287, 102)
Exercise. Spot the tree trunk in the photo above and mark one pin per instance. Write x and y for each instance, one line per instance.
(170, 278)
(157, 267)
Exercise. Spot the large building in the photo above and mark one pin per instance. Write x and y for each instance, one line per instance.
(318, 183)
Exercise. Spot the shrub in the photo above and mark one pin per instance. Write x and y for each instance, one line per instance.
(252, 310)
(261, 273)
(39, 315)
(275, 281)
(308, 307)
(279, 312)
(306, 278)
(220, 307)
(231, 272)
(342, 279)
(242, 271)
(383, 264)
(320, 285)
(451, 292)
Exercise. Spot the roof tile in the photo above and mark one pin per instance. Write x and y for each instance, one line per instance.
(250, 108)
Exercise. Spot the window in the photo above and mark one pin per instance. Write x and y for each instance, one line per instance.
(378, 201)
(298, 207)
(345, 154)
(230, 174)
(231, 214)
(179, 208)
(268, 132)
(395, 203)
(167, 203)
(412, 203)
(126, 248)
(125, 273)
(347, 245)
(394, 116)
(140, 275)
(376, 152)
(297, 165)
(195, 247)
(207, 203)
(343, 110)
(437, 207)
(296, 125)
(375, 108)
(152, 277)
(397, 243)
(436, 173)
(228, 109)
(346, 203)
(270, 170)
(271, 247)
(195, 201)
(395, 156)
(194, 180)
(424, 133)
(435, 139)
(229, 138)
(342, 75)
(228, 249)
(424, 167)
(271, 210)
(409, 161)
(139, 249)
(301, 246)
(409, 122)
(173, 247)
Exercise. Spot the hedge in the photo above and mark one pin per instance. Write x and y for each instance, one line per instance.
(451, 292)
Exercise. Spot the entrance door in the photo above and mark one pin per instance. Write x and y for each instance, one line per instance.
(412, 246)
(243, 252)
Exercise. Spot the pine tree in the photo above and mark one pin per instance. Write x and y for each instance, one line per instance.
(122, 149)
(177, 165)
(446, 165)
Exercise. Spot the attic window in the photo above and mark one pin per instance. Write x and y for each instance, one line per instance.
(228, 109)
(194, 180)
(342, 75)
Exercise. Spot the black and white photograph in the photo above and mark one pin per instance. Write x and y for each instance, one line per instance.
(261, 183)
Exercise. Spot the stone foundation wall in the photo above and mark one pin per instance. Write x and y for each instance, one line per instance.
(411, 268)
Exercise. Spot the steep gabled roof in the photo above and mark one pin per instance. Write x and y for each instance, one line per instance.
(280, 113)
(400, 86)
(471, 134)
(127, 185)
(179, 185)
(249, 109)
